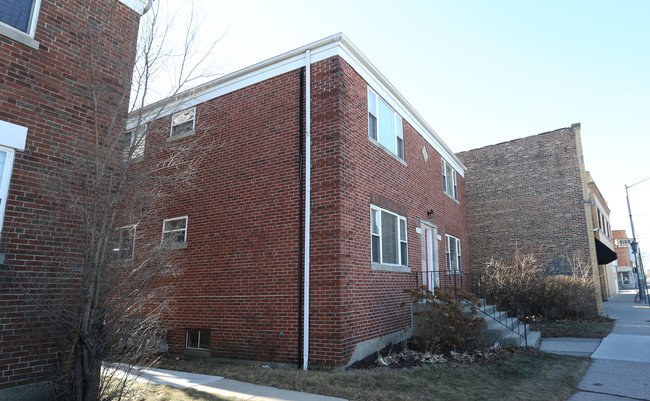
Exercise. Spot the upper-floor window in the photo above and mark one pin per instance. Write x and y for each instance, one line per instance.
(175, 232)
(388, 232)
(124, 243)
(20, 14)
(134, 143)
(385, 125)
(183, 123)
(623, 241)
(449, 183)
(453, 253)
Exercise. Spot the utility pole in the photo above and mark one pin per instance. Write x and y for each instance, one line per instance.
(643, 286)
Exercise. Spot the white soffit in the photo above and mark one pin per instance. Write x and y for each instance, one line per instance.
(12, 135)
(139, 6)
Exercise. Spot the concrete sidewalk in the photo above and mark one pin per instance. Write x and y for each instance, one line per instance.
(231, 389)
(621, 363)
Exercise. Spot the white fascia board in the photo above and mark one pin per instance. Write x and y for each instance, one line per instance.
(333, 45)
(139, 6)
(12, 135)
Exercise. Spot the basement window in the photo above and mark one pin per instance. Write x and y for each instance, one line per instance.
(197, 339)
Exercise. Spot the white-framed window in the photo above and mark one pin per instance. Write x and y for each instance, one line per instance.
(6, 163)
(124, 243)
(623, 241)
(449, 183)
(134, 141)
(453, 253)
(197, 339)
(21, 15)
(388, 237)
(183, 123)
(385, 125)
(175, 230)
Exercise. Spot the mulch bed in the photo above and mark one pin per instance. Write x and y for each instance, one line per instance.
(405, 355)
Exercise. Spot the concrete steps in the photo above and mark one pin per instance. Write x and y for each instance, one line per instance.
(504, 330)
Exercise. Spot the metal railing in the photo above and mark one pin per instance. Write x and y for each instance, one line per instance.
(501, 308)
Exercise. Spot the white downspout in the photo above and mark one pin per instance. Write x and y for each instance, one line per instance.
(305, 307)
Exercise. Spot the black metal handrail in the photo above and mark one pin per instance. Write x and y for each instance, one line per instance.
(452, 281)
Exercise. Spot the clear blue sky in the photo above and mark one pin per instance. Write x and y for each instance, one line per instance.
(484, 72)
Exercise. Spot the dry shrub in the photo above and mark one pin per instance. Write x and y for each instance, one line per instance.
(526, 282)
(441, 321)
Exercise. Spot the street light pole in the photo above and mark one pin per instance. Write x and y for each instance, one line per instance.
(643, 288)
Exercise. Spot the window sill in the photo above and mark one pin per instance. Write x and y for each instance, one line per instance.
(181, 136)
(385, 149)
(134, 160)
(196, 353)
(454, 272)
(451, 197)
(175, 245)
(18, 36)
(390, 268)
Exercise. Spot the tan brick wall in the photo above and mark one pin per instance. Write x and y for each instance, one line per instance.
(528, 194)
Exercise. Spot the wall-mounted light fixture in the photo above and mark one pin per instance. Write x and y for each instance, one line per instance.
(430, 214)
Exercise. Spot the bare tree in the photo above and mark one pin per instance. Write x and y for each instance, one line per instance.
(106, 299)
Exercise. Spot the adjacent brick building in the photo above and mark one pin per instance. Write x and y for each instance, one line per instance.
(45, 50)
(387, 206)
(625, 262)
(532, 194)
(606, 256)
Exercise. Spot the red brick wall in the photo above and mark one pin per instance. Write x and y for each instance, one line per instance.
(361, 303)
(243, 265)
(43, 90)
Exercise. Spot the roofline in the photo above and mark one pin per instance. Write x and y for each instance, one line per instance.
(298, 52)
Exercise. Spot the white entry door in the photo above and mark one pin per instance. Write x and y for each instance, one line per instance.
(429, 257)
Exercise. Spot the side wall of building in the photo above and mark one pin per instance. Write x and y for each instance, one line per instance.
(528, 195)
(242, 274)
(44, 90)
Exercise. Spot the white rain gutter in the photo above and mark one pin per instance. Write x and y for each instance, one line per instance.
(305, 307)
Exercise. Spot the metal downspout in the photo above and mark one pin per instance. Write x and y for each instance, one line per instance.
(305, 309)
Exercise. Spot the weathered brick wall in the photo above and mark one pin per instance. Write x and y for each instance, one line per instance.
(242, 269)
(44, 90)
(527, 194)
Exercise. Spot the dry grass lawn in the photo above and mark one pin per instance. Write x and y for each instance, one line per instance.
(529, 375)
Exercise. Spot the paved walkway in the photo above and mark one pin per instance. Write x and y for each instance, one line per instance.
(229, 389)
(620, 368)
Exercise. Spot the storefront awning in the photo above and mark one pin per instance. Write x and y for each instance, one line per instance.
(603, 253)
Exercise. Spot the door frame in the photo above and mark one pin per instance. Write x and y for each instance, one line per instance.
(430, 274)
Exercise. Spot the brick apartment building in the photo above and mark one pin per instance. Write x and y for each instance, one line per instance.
(625, 262)
(386, 196)
(532, 194)
(44, 112)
